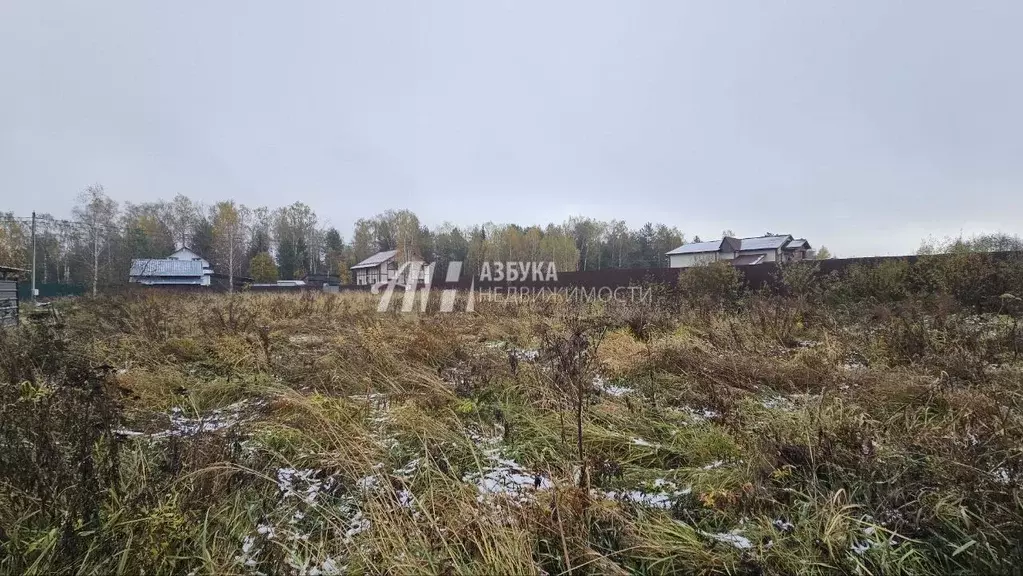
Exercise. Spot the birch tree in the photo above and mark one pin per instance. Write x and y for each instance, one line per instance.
(182, 217)
(95, 212)
(228, 232)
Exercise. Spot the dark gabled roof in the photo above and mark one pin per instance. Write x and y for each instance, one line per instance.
(747, 260)
(731, 243)
(148, 267)
(696, 248)
(797, 243)
(376, 259)
(765, 242)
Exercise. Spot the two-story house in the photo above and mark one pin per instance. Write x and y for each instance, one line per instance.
(740, 251)
(184, 267)
(383, 267)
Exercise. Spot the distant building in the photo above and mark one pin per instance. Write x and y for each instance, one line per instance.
(741, 251)
(182, 268)
(298, 285)
(9, 295)
(186, 253)
(321, 280)
(382, 267)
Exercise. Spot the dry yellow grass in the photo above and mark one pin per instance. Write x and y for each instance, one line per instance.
(311, 434)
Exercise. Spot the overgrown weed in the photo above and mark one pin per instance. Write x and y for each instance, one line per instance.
(865, 425)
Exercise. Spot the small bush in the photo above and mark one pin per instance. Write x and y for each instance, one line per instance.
(972, 278)
(801, 279)
(715, 284)
(888, 281)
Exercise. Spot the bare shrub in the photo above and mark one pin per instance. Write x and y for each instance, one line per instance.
(570, 351)
(58, 455)
(712, 285)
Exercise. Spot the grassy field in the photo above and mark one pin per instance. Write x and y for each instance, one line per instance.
(310, 434)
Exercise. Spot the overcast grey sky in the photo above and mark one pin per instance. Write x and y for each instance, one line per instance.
(862, 125)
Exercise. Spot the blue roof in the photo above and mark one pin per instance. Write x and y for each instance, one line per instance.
(697, 247)
(149, 267)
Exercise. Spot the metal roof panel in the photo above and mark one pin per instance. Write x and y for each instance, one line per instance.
(764, 242)
(376, 259)
(747, 260)
(149, 267)
(696, 248)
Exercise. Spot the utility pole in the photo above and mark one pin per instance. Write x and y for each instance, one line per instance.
(33, 256)
(230, 259)
(95, 252)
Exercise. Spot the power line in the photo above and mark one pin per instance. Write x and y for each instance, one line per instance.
(40, 219)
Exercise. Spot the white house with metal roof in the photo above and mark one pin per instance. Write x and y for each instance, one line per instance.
(383, 267)
(186, 253)
(740, 251)
(182, 268)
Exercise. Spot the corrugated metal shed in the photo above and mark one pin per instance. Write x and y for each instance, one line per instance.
(8, 303)
(156, 267)
(697, 247)
(376, 259)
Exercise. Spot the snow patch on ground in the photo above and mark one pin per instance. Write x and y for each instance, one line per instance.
(601, 383)
(784, 525)
(500, 476)
(661, 493)
(777, 403)
(302, 484)
(1003, 476)
(700, 414)
(734, 538)
(307, 498)
(505, 477)
(527, 354)
(219, 419)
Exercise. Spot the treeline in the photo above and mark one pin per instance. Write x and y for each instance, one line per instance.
(97, 245)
